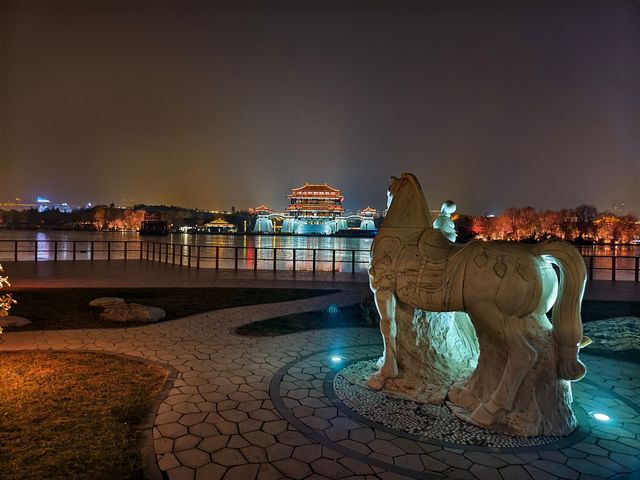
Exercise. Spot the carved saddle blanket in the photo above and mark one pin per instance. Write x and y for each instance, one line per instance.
(423, 268)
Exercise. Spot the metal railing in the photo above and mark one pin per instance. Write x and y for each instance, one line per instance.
(599, 267)
(192, 256)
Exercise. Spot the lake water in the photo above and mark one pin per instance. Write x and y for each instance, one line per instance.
(253, 251)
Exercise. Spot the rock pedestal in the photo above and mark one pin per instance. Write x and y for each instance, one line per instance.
(434, 350)
(542, 405)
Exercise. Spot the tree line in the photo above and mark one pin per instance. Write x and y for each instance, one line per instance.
(100, 217)
(583, 224)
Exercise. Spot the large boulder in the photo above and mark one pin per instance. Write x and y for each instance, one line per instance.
(132, 312)
(14, 321)
(104, 302)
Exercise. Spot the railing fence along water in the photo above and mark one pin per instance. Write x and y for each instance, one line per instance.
(191, 256)
(599, 267)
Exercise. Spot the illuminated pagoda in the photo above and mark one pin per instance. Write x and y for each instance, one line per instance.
(313, 209)
(264, 219)
(261, 209)
(368, 214)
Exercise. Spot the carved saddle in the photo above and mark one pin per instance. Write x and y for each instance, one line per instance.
(429, 273)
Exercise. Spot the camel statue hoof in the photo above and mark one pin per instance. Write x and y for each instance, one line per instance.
(375, 382)
(482, 415)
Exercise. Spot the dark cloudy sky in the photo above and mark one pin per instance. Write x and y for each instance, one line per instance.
(212, 104)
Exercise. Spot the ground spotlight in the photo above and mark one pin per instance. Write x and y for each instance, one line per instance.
(336, 358)
(602, 417)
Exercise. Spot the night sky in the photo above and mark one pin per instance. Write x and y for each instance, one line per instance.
(213, 104)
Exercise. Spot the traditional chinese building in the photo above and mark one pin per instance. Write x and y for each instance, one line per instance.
(313, 209)
(261, 210)
(368, 214)
(315, 200)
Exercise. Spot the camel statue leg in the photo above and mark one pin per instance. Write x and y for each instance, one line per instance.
(386, 304)
(521, 360)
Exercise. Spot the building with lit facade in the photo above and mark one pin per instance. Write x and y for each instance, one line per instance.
(314, 209)
(367, 216)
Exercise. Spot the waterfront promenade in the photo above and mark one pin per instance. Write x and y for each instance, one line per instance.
(122, 273)
(244, 407)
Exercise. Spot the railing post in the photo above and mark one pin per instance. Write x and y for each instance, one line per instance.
(314, 260)
(92, 245)
(217, 256)
(55, 251)
(166, 253)
(591, 260)
(126, 243)
(147, 249)
(74, 250)
(153, 252)
(198, 257)
(15, 250)
(141, 245)
(637, 269)
(255, 258)
(333, 262)
(613, 268)
(294, 259)
(275, 251)
(35, 250)
(353, 261)
(235, 259)
(173, 255)
(189, 254)
(109, 250)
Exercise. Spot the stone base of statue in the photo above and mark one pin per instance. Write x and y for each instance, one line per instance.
(542, 405)
(439, 348)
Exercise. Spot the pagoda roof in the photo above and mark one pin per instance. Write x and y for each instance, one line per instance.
(262, 207)
(368, 210)
(218, 222)
(314, 189)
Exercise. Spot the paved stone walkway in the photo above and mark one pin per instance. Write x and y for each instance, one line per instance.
(243, 408)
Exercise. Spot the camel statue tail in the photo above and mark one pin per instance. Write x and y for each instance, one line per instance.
(567, 320)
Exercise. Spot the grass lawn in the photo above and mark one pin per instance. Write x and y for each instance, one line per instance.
(73, 415)
(61, 308)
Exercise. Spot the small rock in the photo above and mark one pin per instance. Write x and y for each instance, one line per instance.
(104, 302)
(14, 321)
(132, 312)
